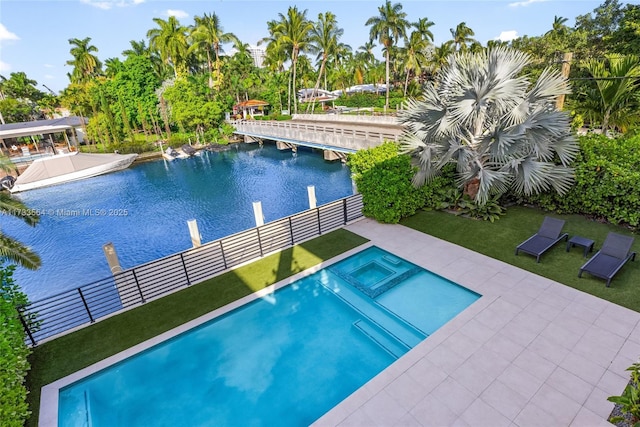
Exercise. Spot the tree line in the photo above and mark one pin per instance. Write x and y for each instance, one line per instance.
(181, 81)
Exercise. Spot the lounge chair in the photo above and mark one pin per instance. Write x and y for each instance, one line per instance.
(615, 252)
(547, 236)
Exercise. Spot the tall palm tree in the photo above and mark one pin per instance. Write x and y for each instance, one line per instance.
(414, 56)
(441, 55)
(462, 36)
(498, 128)
(112, 66)
(615, 99)
(387, 28)
(423, 28)
(293, 33)
(170, 40)
(85, 64)
(208, 35)
(325, 38)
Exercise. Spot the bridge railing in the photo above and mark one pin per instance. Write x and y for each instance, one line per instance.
(87, 304)
(331, 135)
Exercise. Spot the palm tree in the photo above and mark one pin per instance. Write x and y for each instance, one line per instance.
(614, 101)
(423, 28)
(138, 48)
(170, 40)
(414, 56)
(441, 55)
(462, 36)
(12, 250)
(388, 27)
(292, 32)
(325, 40)
(558, 26)
(499, 129)
(19, 86)
(208, 35)
(112, 66)
(85, 64)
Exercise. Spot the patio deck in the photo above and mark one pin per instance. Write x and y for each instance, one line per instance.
(530, 352)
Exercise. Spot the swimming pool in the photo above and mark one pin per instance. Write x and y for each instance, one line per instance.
(284, 359)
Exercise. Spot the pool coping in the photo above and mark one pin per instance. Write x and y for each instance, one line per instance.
(529, 352)
(49, 398)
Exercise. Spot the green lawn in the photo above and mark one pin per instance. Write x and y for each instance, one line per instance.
(499, 240)
(58, 358)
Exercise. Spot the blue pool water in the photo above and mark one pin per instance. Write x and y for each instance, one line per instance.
(146, 208)
(282, 360)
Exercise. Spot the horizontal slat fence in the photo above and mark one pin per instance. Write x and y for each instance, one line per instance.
(86, 304)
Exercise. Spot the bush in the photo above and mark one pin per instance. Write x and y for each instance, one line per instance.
(383, 177)
(13, 353)
(607, 182)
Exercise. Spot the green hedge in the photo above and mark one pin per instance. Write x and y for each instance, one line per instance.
(13, 354)
(383, 177)
(607, 183)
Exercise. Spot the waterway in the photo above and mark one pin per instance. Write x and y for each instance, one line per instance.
(144, 209)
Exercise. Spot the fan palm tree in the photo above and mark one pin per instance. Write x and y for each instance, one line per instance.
(170, 40)
(85, 64)
(500, 130)
(615, 99)
(387, 28)
(462, 36)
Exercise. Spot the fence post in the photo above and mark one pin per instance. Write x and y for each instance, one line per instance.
(259, 241)
(344, 209)
(135, 277)
(224, 258)
(319, 226)
(26, 327)
(291, 232)
(86, 306)
(186, 273)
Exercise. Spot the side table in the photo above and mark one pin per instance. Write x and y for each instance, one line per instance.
(587, 244)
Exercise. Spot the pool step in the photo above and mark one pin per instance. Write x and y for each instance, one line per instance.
(376, 314)
(381, 337)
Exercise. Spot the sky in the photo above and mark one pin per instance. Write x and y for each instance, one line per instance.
(34, 34)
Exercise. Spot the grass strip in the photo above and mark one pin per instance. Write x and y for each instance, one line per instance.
(60, 357)
(500, 238)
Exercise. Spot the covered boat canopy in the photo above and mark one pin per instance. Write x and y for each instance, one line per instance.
(63, 164)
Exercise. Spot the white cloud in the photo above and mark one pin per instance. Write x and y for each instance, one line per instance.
(6, 34)
(108, 4)
(506, 36)
(49, 77)
(4, 66)
(525, 3)
(48, 66)
(177, 13)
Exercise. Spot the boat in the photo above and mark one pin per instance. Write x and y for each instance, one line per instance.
(73, 166)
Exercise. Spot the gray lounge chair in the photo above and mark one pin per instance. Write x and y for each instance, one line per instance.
(615, 252)
(547, 236)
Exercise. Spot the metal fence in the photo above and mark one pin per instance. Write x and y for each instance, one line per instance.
(86, 304)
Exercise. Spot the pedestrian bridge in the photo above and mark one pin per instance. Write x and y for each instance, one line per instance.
(335, 137)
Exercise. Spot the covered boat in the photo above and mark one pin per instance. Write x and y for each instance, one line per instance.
(63, 168)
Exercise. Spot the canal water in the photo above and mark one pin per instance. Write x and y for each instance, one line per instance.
(144, 209)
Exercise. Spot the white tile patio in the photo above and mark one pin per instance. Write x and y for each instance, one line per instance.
(530, 352)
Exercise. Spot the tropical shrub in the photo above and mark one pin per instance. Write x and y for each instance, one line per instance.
(629, 400)
(607, 179)
(383, 177)
(13, 353)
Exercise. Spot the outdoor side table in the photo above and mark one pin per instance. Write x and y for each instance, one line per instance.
(587, 244)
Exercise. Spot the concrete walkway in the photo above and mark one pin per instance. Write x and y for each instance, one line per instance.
(530, 352)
